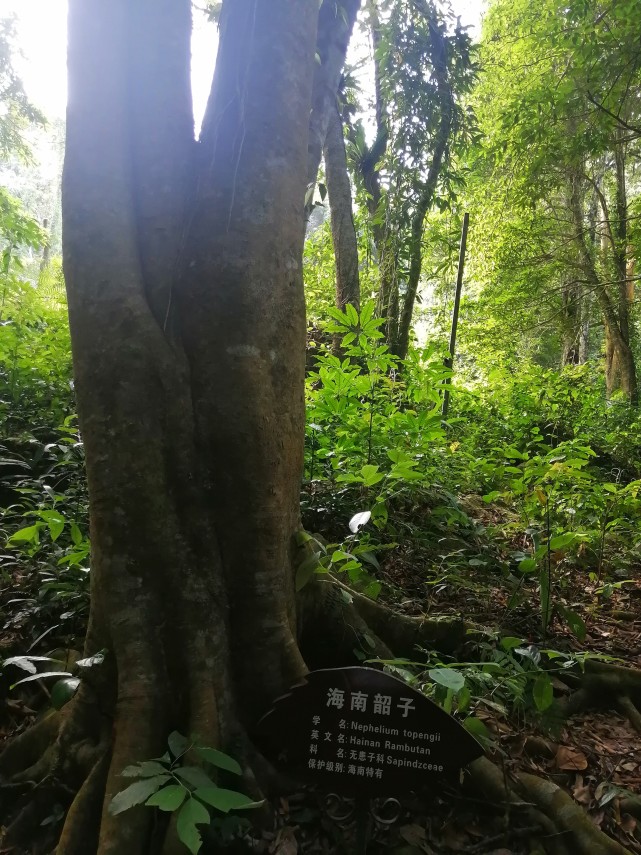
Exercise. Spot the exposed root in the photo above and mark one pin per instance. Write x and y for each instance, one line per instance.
(558, 806)
(493, 785)
(334, 620)
(403, 634)
(331, 628)
(40, 769)
(26, 749)
(629, 709)
(567, 828)
(631, 804)
(604, 685)
(604, 680)
(19, 834)
(82, 824)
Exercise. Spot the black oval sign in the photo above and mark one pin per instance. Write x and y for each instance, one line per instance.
(356, 730)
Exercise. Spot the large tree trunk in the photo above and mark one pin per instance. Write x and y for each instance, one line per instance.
(183, 268)
(339, 191)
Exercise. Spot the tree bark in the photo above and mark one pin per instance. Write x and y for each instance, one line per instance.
(183, 269)
(620, 368)
(335, 24)
(571, 298)
(400, 343)
(339, 191)
(368, 166)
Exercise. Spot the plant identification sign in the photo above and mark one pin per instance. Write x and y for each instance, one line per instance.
(360, 731)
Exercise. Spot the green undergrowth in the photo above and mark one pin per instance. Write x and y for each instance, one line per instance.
(527, 489)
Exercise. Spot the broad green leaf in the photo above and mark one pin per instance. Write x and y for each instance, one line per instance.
(63, 691)
(55, 521)
(372, 590)
(136, 794)
(542, 692)
(527, 565)
(463, 700)
(29, 534)
(371, 475)
(447, 677)
(510, 642)
(379, 515)
(562, 540)
(352, 314)
(191, 812)
(225, 800)
(76, 534)
(169, 798)
(404, 473)
(366, 312)
(146, 769)
(476, 727)
(220, 760)
(178, 743)
(574, 621)
(530, 652)
(349, 478)
(369, 558)
(56, 528)
(194, 776)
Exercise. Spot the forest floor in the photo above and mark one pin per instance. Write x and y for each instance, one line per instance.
(594, 755)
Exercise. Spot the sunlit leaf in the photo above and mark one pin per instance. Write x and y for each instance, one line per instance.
(359, 520)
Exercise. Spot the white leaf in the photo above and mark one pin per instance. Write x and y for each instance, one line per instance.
(359, 520)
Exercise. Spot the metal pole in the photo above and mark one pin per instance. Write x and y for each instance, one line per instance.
(457, 302)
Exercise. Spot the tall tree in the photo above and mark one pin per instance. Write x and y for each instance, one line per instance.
(422, 70)
(560, 84)
(339, 193)
(17, 111)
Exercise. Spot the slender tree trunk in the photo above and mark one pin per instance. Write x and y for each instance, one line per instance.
(335, 24)
(400, 343)
(584, 330)
(571, 323)
(369, 165)
(339, 191)
(46, 249)
(620, 369)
